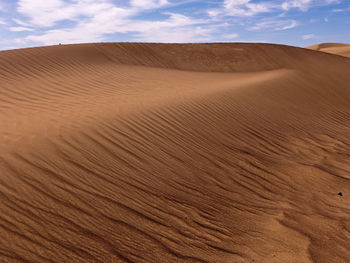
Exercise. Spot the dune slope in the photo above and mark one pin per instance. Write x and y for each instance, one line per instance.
(333, 48)
(174, 153)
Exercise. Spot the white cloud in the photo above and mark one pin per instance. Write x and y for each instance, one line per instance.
(43, 13)
(47, 13)
(93, 19)
(96, 19)
(176, 35)
(305, 5)
(290, 25)
(300, 4)
(248, 8)
(77, 21)
(20, 29)
(241, 8)
(276, 25)
(148, 4)
(338, 10)
(231, 36)
(309, 36)
(176, 28)
(20, 22)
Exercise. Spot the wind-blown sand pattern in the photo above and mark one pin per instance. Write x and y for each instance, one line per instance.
(174, 153)
(333, 48)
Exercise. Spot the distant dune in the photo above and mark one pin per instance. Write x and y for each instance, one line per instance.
(333, 48)
(174, 153)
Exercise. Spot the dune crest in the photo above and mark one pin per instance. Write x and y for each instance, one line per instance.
(333, 48)
(130, 152)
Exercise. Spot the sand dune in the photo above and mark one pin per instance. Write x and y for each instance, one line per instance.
(174, 153)
(333, 48)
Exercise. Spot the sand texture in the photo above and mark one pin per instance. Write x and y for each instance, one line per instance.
(333, 48)
(174, 153)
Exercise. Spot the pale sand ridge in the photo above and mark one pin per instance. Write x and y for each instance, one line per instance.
(333, 48)
(174, 153)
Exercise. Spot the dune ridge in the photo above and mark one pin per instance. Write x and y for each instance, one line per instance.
(130, 152)
(333, 48)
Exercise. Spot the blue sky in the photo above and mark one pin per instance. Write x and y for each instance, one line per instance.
(26, 23)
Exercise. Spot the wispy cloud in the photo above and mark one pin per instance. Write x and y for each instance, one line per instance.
(175, 28)
(47, 13)
(300, 4)
(20, 22)
(20, 29)
(339, 10)
(309, 36)
(276, 25)
(304, 5)
(149, 4)
(246, 8)
(231, 36)
(71, 21)
(241, 8)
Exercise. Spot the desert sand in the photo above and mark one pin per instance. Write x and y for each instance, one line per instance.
(174, 153)
(333, 48)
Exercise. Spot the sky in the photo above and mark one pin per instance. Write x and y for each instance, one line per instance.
(28, 23)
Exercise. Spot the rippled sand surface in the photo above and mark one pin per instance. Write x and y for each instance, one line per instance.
(174, 153)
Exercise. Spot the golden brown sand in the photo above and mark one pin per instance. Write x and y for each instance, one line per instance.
(174, 153)
(333, 48)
